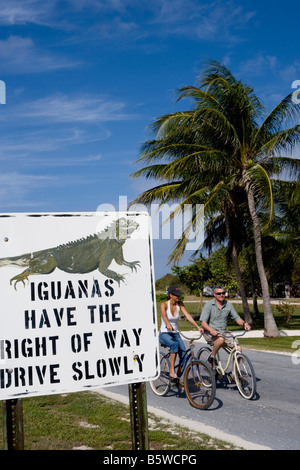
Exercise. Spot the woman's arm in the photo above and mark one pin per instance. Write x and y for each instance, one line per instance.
(189, 317)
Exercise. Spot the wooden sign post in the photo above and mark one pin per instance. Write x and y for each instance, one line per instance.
(13, 432)
(139, 416)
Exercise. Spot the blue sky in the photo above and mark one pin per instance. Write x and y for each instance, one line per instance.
(84, 79)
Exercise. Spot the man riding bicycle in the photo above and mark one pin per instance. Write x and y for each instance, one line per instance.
(214, 318)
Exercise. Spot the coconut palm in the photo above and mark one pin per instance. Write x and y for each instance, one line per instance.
(222, 146)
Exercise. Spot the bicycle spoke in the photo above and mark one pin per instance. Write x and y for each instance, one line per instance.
(161, 385)
(199, 384)
(245, 377)
(204, 353)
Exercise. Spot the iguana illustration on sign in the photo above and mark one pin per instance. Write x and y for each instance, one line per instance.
(81, 256)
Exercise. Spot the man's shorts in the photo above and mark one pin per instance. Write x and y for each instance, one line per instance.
(211, 339)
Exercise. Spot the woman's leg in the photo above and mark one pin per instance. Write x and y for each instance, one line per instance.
(181, 347)
(168, 339)
(172, 365)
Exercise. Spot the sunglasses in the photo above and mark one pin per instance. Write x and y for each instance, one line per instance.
(220, 293)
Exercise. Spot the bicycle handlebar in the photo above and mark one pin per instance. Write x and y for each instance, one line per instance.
(190, 339)
(242, 334)
(228, 333)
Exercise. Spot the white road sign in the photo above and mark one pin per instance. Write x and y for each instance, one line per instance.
(77, 303)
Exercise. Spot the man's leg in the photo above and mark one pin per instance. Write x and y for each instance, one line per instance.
(218, 343)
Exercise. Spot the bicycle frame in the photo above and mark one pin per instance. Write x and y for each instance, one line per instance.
(199, 380)
(232, 352)
(244, 374)
(187, 357)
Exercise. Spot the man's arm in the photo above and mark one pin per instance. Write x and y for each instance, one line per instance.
(208, 328)
(243, 323)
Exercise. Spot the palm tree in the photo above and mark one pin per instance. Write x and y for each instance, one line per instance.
(217, 148)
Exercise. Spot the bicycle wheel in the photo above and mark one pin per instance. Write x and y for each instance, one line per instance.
(200, 385)
(161, 385)
(245, 376)
(204, 353)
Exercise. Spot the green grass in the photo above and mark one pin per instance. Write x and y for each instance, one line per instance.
(283, 344)
(88, 420)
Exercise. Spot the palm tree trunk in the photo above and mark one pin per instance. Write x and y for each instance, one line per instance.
(253, 287)
(270, 327)
(246, 309)
(238, 274)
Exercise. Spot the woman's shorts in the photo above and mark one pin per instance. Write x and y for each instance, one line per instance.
(173, 341)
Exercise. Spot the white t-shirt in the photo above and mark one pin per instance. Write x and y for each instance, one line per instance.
(172, 319)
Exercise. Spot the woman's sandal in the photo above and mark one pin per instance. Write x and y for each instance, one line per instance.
(173, 375)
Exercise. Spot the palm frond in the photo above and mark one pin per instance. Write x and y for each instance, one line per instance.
(283, 112)
(285, 140)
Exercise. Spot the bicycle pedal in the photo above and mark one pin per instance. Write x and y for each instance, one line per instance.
(230, 378)
(174, 380)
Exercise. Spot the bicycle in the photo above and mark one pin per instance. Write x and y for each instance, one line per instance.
(199, 381)
(243, 371)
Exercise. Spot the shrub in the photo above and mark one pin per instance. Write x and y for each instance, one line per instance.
(286, 310)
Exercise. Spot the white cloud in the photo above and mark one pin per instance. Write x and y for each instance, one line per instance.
(28, 190)
(218, 20)
(25, 11)
(20, 55)
(259, 65)
(100, 5)
(16, 186)
(45, 140)
(55, 124)
(17, 181)
(63, 161)
(290, 72)
(61, 108)
(127, 19)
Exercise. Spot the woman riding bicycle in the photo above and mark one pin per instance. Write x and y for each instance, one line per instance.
(169, 333)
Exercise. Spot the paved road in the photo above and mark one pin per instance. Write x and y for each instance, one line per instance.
(272, 420)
